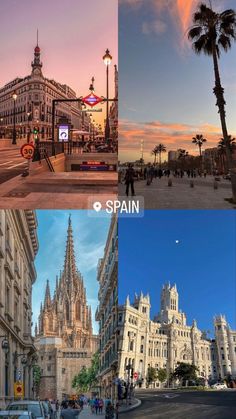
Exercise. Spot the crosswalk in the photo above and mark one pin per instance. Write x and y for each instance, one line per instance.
(11, 163)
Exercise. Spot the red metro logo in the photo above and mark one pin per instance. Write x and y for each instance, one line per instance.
(92, 99)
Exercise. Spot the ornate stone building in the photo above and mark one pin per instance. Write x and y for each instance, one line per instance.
(64, 335)
(107, 313)
(33, 104)
(168, 340)
(18, 248)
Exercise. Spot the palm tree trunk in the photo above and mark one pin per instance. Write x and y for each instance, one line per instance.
(160, 159)
(220, 102)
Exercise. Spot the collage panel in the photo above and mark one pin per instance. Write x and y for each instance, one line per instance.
(117, 235)
(58, 103)
(177, 103)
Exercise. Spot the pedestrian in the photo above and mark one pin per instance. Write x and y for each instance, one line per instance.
(129, 180)
(109, 414)
(96, 404)
(100, 406)
(71, 411)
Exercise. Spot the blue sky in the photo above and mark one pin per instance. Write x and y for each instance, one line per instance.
(162, 80)
(202, 265)
(89, 241)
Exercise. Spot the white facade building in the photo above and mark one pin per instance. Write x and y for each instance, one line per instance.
(168, 340)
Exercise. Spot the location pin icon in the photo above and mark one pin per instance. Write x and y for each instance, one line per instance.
(97, 206)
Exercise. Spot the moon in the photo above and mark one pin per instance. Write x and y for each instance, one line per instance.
(177, 241)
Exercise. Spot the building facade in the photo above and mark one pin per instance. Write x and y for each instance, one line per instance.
(33, 104)
(168, 340)
(106, 314)
(64, 334)
(18, 248)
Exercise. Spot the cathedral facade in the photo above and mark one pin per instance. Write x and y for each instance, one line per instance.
(168, 340)
(64, 334)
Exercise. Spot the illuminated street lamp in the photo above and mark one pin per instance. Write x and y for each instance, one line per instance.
(14, 96)
(107, 61)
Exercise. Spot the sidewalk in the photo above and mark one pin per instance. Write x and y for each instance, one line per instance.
(126, 408)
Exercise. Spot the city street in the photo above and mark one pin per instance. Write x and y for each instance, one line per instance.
(184, 404)
(180, 195)
(11, 163)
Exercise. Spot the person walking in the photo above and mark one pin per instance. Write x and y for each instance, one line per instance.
(129, 180)
(100, 406)
(96, 404)
(109, 414)
(71, 411)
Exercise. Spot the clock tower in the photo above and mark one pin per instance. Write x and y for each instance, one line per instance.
(36, 64)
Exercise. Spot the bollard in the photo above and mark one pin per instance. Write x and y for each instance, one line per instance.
(191, 184)
(215, 184)
(169, 182)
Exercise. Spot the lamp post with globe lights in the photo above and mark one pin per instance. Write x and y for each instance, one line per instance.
(107, 58)
(14, 96)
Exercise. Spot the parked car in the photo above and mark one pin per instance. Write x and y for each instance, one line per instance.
(34, 407)
(219, 386)
(16, 414)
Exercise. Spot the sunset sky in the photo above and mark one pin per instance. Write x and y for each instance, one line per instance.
(71, 36)
(165, 90)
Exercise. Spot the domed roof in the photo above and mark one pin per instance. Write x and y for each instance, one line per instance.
(37, 49)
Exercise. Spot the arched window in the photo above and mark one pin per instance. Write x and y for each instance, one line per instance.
(77, 311)
(67, 312)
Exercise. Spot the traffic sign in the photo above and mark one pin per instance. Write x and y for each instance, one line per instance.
(27, 151)
(18, 389)
(135, 375)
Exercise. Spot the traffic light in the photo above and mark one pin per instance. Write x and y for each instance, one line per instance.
(36, 131)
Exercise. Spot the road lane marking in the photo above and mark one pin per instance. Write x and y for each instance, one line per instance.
(15, 165)
(7, 162)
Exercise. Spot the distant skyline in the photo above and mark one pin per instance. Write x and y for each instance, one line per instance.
(194, 249)
(71, 37)
(89, 242)
(165, 89)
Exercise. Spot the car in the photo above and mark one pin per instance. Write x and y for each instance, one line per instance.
(16, 414)
(34, 407)
(219, 386)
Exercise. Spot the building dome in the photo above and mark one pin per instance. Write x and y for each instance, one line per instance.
(37, 49)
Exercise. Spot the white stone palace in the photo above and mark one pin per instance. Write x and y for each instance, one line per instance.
(168, 340)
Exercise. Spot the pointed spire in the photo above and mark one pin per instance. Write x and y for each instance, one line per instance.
(37, 37)
(69, 264)
(36, 329)
(47, 298)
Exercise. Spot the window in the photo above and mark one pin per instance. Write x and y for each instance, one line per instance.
(49, 368)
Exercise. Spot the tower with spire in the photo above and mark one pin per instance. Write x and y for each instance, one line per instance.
(67, 314)
(36, 63)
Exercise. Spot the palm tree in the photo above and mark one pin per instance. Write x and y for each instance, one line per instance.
(160, 149)
(199, 140)
(222, 150)
(212, 32)
(155, 152)
(182, 154)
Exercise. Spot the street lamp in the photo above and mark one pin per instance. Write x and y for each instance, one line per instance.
(107, 61)
(28, 134)
(14, 96)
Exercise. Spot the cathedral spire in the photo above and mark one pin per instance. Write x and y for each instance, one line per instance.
(69, 264)
(47, 298)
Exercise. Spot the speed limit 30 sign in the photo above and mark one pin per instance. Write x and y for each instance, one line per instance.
(27, 151)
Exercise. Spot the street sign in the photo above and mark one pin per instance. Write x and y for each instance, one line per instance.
(63, 133)
(18, 389)
(27, 151)
(92, 99)
(135, 375)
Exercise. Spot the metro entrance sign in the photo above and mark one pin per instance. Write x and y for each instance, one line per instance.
(92, 99)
